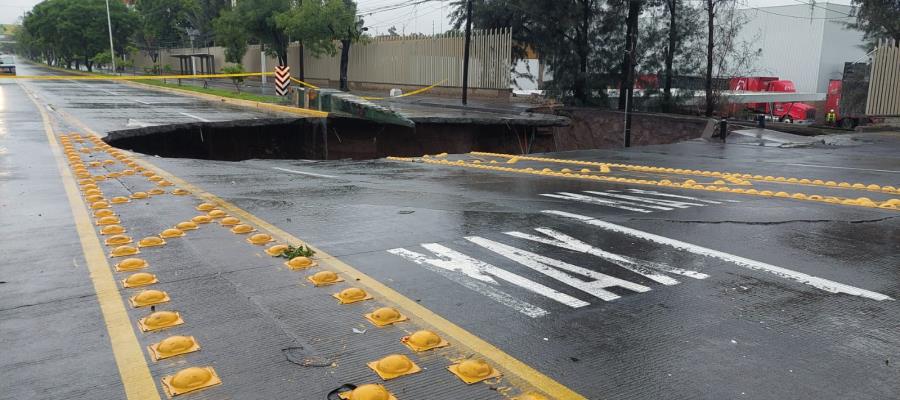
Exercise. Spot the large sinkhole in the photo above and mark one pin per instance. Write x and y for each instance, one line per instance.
(322, 139)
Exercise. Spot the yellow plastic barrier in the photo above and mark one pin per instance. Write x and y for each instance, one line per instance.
(414, 92)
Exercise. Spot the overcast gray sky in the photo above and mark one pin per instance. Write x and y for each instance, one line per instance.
(423, 18)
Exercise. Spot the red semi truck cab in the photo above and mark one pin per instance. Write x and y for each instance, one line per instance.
(787, 112)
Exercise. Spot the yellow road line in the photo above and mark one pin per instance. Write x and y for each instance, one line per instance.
(518, 369)
(129, 356)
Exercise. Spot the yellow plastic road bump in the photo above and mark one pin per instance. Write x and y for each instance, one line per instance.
(109, 162)
(131, 264)
(148, 298)
(215, 214)
(394, 366)
(201, 219)
(260, 239)
(108, 220)
(127, 172)
(189, 380)
(300, 262)
(139, 279)
(139, 195)
(112, 230)
(385, 316)
(352, 295)
(324, 278)
(173, 346)
(117, 240)
(171, 233)
(119, 200)
(151, 241)
(156, 191)
(124, 251)
(242, 229)
(186, 226)
(92, 192)
(277, 250)
(99, 177)
(154, 178)
(473, 371)
(180, 192)
(113, 175)
(99, 204)
(229, 221)
(94, 164)
(164, 183)
(531, 396)
(160, 320)
(206, 207)
(85, 181)
(367, 392)
(93, 198)
(423, 341)
(103, 212)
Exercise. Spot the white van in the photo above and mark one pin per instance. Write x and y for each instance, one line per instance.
(7, 64)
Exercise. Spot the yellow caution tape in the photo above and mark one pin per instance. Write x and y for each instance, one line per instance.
(131, 77)
(309, 85)
(414, 92)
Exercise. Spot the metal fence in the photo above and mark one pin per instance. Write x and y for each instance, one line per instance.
(884, 84)
(424, 60)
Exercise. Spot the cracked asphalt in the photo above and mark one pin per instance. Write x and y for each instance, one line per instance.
(616, 290)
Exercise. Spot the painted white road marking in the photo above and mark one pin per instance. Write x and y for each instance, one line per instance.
(451, 260)
(820, 283)
(661, 202)
(647, 269)
(856, 169)
(138, 123)
(474, 284)
(194, 117)
(593, 200)
(674, 196)
(142, 102)
(304, 173)
(554, 269)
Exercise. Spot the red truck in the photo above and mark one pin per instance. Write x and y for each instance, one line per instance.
(784, 112)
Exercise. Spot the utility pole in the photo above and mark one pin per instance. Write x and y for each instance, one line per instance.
(465, 97)
(112, 51)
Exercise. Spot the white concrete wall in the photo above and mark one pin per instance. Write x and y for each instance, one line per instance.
(805, 44)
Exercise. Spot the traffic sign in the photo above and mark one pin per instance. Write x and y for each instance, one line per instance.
(282, 80)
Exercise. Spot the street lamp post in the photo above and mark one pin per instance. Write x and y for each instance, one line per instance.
(112, 51)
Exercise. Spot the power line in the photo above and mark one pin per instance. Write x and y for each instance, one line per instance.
(813, 4)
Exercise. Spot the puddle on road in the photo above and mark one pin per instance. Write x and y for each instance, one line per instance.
(316, 139)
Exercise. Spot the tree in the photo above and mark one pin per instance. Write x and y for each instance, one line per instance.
(74, 31)
(163, 23)
(626, 83)
(230, 34)
(878, 19)
(577, 40)
(257, 18)
(323, 22)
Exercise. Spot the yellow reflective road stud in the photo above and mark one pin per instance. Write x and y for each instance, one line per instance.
(423, 341)
(139, 279)
(394, 366)
(189, 380)
(352, 295)
(160, 320)
(385, 316)
(324, 278)
(173, 346)
(149, 298)
(367, 392)
(473, 371)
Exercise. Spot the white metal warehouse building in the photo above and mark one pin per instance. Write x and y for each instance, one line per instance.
(805, 43)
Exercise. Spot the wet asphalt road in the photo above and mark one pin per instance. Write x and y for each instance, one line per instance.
(735, 333)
